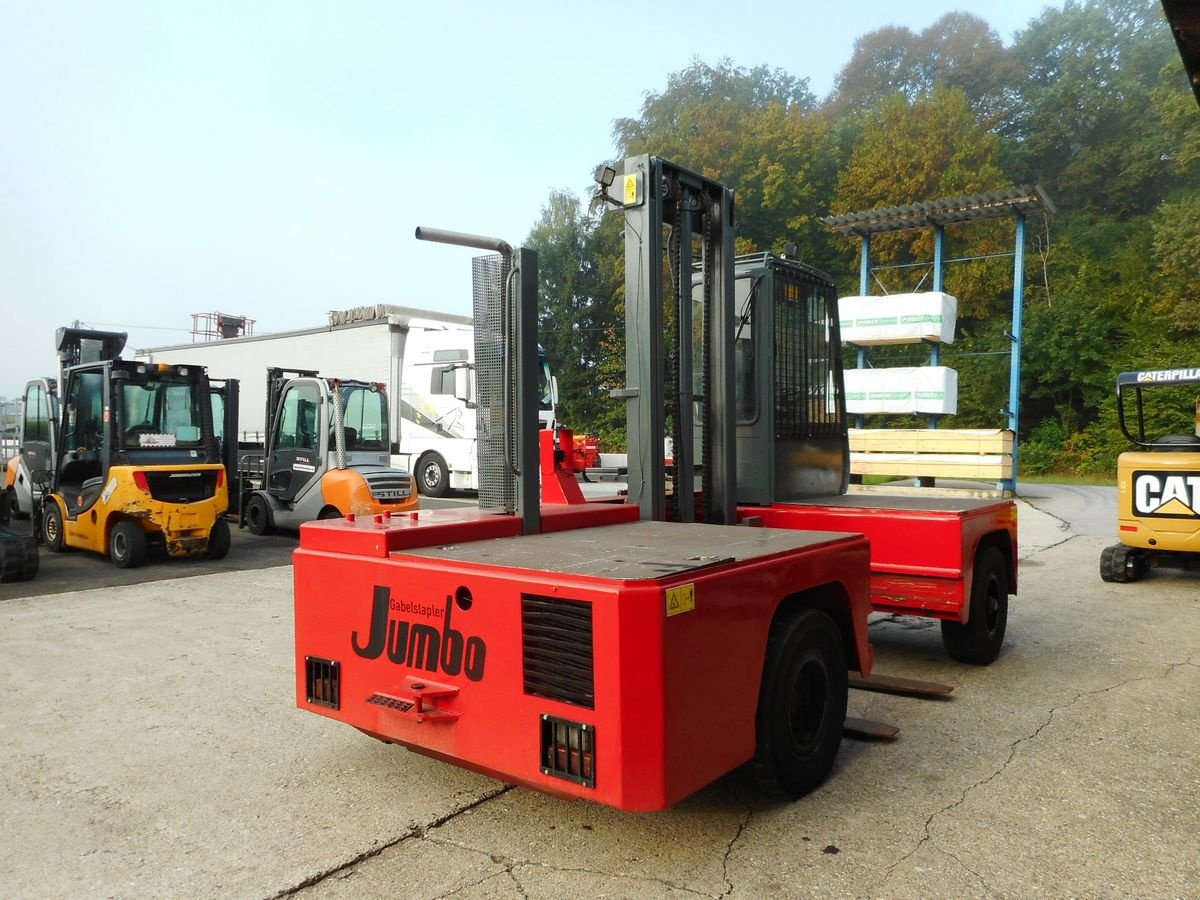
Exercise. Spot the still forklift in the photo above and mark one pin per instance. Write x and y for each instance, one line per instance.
(133, 455)
(326, 455)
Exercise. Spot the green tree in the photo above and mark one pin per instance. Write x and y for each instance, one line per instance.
(959, 50)
(1083, 117)
(577, 311)
(930, 148)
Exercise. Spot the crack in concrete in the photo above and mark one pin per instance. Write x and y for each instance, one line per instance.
(417, 831)
(928, 837)
(512, 864)
(742, 826)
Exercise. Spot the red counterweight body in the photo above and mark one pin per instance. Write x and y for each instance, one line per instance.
(620, 663)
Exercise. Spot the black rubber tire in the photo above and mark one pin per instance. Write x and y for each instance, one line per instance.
(801, 703)
(219, 540)
(7, 500)
(979, 639)
(1171, 443)
(433, 478)
(18, 556)
(329, 512)
(14, 506)
(1121, 564)
(127, 545)
(52, 527)
(258, 515)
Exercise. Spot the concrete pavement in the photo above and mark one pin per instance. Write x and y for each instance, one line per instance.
(151, 748)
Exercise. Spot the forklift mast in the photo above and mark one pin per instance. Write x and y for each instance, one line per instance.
(678, 386)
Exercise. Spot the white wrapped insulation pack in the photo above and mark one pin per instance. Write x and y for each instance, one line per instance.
(898, 318)
(932, 390)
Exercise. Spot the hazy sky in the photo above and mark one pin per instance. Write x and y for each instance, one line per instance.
(271, 159)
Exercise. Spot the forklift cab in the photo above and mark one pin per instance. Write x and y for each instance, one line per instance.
(299, 445)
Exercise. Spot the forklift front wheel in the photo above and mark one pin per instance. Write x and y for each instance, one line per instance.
(978, 640)
(802, 703)
(258, 515)
(127, 545)
(52, 527)
(218, 540)
(433, 478)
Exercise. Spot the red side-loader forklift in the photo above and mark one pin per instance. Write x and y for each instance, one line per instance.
(625, 653)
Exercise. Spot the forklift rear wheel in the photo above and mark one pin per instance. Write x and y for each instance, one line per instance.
(978, 640)
(218, 540)
(802, 703)
(1121, 564)
(258, 515)
(329, 512)
(52, 527)
(14, 506)
(6, 502)
(127, 545)
(433, 479)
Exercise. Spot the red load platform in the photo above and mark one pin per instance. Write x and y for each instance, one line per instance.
(923, 549)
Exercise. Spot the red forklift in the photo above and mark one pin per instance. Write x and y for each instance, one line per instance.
(631, 653)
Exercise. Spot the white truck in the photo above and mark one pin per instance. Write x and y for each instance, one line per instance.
(424, 359)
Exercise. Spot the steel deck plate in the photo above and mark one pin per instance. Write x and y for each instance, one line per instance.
(896, 501)
(632, 552)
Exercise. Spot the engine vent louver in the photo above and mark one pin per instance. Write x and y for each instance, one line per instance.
(322, 680)
(556, 643)
(568, 750)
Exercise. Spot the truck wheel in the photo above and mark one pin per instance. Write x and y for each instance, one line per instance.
(52, 527)
(978, 640)
(1121, 564)
(801, 704)
(433, 479)
(218, 540)
(258, 515)
(127, 545)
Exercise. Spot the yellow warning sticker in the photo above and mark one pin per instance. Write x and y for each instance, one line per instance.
(681, 599)
(631, 189)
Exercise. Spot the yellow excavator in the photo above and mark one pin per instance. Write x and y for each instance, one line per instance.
(1158, 484)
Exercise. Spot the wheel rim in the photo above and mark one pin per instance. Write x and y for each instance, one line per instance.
(254, 514)
(991, 614)
(807, 699)
(120, 545)
(52, 528)
(431, 476)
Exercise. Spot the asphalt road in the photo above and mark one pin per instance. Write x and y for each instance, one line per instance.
(152, 748)
(74, 570)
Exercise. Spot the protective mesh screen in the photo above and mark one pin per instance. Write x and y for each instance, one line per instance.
(495, 386)
(808, 362)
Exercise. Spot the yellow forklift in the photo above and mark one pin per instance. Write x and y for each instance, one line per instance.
(135, 456)
(1158, 485)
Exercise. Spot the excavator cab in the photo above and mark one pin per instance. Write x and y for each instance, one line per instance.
(1158, 484)
(136, 459)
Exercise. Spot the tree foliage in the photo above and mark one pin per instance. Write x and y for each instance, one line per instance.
(1090, 101)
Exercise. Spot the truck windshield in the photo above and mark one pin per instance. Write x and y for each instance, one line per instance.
(162, 413)
(365, 416)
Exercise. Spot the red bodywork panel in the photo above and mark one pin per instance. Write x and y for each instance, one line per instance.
(427, 620)
(922, 549)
